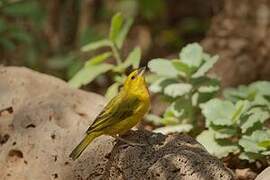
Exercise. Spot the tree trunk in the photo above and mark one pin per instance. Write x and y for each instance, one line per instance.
(240, 35)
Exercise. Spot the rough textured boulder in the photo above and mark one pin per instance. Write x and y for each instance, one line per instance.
(264, 175)
(50, 118)
(163, 157)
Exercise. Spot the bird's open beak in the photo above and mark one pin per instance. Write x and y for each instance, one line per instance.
(141, 71)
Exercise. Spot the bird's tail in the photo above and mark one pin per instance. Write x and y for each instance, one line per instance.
(83, 144)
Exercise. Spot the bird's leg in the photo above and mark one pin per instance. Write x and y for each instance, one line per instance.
(128, 142)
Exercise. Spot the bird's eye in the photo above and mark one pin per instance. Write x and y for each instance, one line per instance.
(132, 77)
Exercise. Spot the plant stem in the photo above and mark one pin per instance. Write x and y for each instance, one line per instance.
(116, 54)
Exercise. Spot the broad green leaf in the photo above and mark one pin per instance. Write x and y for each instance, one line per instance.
(162, 67)
(88, 74)
(123, 33)
(156, 120)
(98, 59)
(96, 45)
(178, 89)
(240, 93)
(183, 69)
(265, 144)
(207, 65)
(112, 91)
(192, 55)
(160, 84)
(205, 81)
(208, 89)
(174, 129)
(218, 112)
(225, 133)
(133, 58)
(240, 108)
(250, 143)
(207, 139)
(255, 115)
(204, 97)
(261, 87)
(180, 108)
(168, 121)
(116, 25)
(22, 9)
(251, 157)
(172, 113)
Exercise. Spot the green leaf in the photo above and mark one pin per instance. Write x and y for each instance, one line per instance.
(169, 120)
(156, 120)
(160, 84)
(116, 25)
(240, 93)
(204, 81)
(208, 89)
(192, 55)
(98, 59)
(207, 139)
(262, 87)
(264, 144)
(207, 65)
(179, 108)
(96, 45)
(255, 115)
(171, 115)
(88, 74)
(162, 67)
(178, 89)
(183, 69)
(22, 9)
(174, 129)
(204, 97)
(224, 133)
(241, 107)
(123, 33)
(21, 36)
(218, 112)
(250, 143)
(112, 91)
(251, 157)
(133, 58)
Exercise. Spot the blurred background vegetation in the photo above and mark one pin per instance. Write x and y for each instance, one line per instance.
(47, 35)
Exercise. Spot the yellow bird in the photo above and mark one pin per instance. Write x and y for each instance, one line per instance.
(122, 113)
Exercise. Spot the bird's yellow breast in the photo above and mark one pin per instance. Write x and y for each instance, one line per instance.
(126, 124)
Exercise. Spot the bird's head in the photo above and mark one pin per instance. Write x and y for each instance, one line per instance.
(135, 82)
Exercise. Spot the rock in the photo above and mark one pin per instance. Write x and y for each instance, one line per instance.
(163, 157)
(264, 175)
(48, 121)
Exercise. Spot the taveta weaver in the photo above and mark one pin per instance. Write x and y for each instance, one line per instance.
(122, 113)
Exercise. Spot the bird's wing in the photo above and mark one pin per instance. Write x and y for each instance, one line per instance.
(115, 111)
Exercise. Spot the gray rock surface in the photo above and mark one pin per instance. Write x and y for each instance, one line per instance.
(265, 175)
(163, 158)
(50, 118)
(48, 121)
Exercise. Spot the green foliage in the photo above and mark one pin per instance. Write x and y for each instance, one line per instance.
(186, 85)
(98, 64)
(236, 124)
(16, 35)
